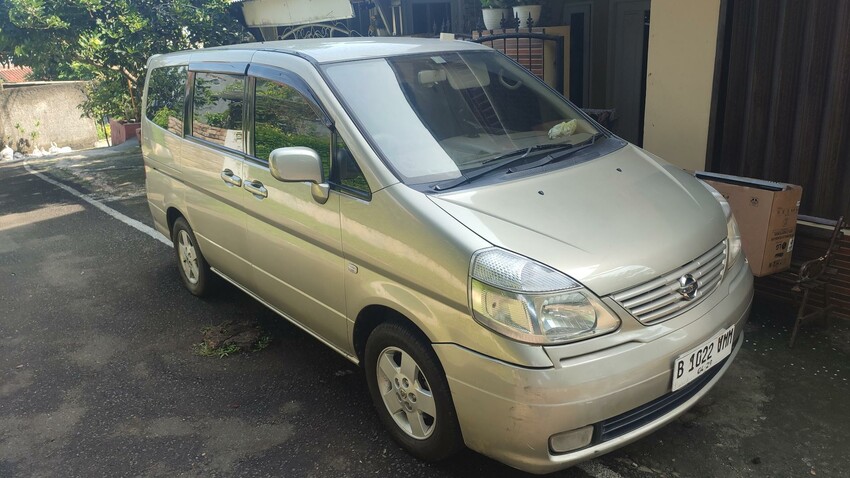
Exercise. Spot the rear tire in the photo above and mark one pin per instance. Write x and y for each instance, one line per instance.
(191, 263)
(411, 394)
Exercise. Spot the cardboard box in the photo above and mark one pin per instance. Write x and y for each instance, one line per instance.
(767, 216)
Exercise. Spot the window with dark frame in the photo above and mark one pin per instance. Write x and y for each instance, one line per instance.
(284, 118)
(217, 109)
(346, 171)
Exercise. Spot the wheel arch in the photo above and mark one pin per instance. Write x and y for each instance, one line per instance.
(370, 317)
(171, 216)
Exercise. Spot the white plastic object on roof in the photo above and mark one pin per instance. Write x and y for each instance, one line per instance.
(281, 13)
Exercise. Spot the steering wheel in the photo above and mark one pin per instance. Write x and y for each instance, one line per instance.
(506, 83)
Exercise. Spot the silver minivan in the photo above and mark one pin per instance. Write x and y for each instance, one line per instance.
(512, 277)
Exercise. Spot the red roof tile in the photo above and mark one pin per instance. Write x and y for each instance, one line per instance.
(15, 75)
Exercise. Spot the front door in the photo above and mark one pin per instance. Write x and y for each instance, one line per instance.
(294, 241)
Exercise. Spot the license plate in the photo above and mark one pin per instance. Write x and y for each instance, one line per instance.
(701, 358)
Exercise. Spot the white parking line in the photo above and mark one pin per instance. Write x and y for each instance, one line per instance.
(144, 228)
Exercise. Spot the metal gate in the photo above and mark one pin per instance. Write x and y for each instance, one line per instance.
(317, 30)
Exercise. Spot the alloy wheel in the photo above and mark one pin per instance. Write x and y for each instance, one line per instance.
(188, 257)
(406, 393)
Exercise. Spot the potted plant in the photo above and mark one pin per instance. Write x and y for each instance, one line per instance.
(493, 12)
(524, 8)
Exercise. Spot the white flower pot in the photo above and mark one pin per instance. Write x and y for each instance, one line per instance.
(522, 12)
(493, 17)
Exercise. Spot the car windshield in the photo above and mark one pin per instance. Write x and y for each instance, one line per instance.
(439, 116)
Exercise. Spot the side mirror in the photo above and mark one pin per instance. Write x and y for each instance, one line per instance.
(297, 165)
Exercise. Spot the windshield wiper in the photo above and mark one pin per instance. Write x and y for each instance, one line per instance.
(526, 151)
(557, 156)
(505, 160)
(508, 160)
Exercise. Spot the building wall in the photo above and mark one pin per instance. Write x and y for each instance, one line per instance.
(680, 76)
(55, 107)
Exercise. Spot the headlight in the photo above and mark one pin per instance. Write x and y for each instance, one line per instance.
(530, 302)
(733, 234)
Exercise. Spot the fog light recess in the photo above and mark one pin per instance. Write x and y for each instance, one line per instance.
(571, 440)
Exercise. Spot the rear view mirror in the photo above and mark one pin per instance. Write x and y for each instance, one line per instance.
(468, 75)
(429, 78)
(299, 164)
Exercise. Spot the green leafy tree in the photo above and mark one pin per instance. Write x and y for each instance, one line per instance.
(109, 41)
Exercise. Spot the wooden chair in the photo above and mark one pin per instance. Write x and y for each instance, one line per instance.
(815, 274)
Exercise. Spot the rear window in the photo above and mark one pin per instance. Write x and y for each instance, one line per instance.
(166, 93)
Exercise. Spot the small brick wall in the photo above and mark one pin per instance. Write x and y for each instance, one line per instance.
(228, 138)
(212, 134)
(121, 131)
(175, 125)
(528, 52)
(811, 242)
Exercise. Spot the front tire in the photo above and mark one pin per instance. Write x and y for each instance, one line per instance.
(411, 394)
(191, 263)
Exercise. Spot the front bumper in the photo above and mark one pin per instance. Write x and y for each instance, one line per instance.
(509, 413)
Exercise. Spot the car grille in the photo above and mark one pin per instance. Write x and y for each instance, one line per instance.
(660, 299)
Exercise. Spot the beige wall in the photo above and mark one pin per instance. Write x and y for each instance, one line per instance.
(680, 73)
(55, 107)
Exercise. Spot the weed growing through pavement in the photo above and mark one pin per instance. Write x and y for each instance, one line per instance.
(205, 350)
(226, 339)
(262, 343)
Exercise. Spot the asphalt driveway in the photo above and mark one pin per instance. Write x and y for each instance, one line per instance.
(98, 376)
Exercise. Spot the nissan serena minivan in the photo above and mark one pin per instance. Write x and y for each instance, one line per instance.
(512, 277)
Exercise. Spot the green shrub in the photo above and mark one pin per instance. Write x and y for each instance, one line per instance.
(267, 138)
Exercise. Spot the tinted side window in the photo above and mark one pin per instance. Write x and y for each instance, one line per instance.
(284, 118)
(166, 93)
(217, 109)
(348, 173)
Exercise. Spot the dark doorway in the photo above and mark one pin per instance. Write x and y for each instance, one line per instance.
(577, 32)
(429, 18)
(643, 76)
(579, 17)
(628, 38)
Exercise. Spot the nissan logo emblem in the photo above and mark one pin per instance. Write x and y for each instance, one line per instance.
(687, 287)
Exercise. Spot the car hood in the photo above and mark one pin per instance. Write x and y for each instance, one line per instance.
(610, 223)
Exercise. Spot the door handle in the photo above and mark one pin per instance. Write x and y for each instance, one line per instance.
(230, 178)
(256, 188)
